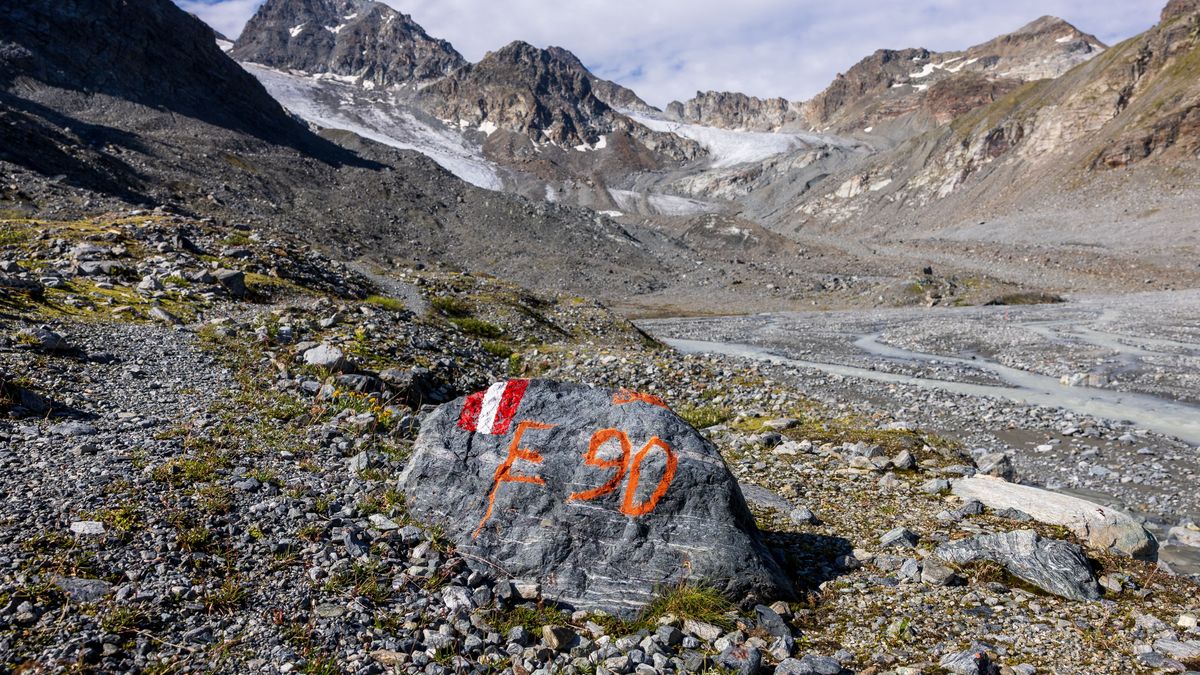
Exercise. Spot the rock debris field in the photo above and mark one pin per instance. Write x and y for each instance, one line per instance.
(217, 458)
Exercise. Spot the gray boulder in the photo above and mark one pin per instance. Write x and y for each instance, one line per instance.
(1101, 527)
(741, 659)
(327, 357)
(233, 281)
(418, 386)
(973, 660)
(30, 287)
(1179, 650)
(899, 538)
(810, 664)
(44, 339)
(996, 464)
(601, 496)
(163, 316)
(1057, 567)
(83, 590)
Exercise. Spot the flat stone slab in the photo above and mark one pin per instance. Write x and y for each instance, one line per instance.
(602, 496)
(1103, 528)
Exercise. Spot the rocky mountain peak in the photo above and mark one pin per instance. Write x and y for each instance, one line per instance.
(524, 89)
(354, 38)
(1043, 24)
(1042, 49)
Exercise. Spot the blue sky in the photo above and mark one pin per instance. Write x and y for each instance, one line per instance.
(669, 49)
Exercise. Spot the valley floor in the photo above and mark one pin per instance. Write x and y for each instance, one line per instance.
(1100, 396)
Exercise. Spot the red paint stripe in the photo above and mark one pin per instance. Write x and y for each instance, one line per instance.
(469, 419)
(513, 393)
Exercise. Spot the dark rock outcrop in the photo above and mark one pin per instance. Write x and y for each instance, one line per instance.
(601, 497)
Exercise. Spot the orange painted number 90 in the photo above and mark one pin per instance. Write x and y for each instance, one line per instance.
(622, 466)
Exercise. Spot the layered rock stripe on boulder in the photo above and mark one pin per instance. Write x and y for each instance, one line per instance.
(1056, 567)
(602, 497)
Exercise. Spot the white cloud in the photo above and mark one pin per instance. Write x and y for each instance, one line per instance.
(669, 49)
(227, 17)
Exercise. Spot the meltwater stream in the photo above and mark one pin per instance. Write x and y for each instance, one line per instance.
(1167, 417)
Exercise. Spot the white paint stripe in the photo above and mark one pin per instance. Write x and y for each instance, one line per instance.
(491, 405)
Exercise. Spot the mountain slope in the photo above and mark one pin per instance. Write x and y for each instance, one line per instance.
(67, 45)
(365, 40)
(537, 111)
(168, 120)
(1039, 162)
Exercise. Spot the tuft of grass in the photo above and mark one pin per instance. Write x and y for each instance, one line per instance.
(196, 539)
(124, 518)
(264, 476)
(617, 627)
(704, 416)
(478, 328)
(226, 599)
(500, 350)
(698, 603)
(363, 579)
(388, 503)
(122, 620)
(311, 532)
(184, 471)
(530, 618)
(322, 503)
(14, 234)
(451, 306)
(386, 303)
(216, 500)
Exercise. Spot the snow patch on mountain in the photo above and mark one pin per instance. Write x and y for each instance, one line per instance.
(336, 104)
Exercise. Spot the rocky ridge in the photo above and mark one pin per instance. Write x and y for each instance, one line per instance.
(919, 89)
(1130, 107)
(736, 111)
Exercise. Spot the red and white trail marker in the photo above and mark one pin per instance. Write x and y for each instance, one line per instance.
(491, 412)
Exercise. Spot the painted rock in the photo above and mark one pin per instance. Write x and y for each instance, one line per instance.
(602, 497)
